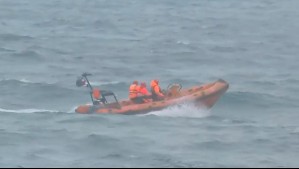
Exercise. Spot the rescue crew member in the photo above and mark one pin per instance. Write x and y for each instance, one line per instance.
(143, 92)
(133, 92)
(156, 91)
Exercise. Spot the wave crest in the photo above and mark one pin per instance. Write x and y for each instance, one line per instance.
(28, 111)
(183, 110)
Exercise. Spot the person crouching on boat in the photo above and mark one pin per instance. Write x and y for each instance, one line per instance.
(156, 91)
(133, 92)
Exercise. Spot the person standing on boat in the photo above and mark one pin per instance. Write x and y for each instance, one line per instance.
(156, 91)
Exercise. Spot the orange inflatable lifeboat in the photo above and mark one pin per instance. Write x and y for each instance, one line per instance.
(201, 95)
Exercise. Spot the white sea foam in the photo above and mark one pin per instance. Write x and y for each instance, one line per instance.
(28, 111)
(183, 110)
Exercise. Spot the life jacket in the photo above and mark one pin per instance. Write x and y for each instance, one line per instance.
(96, 93)
(143, 91)
(133, 91)
(153, 85)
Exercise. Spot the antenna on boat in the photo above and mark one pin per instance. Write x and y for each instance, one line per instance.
(85, 76)
(81, 81)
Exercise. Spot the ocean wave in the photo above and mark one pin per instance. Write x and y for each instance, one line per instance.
(255, 98)
(24, 89)
(103, 23)
(90, 119)
(227, 49)
(23, 81)
(290, 80)
(28, 111)
(263, 83)
(72, 110)
(14, 37)
(183, 42)
(214, 144)
(100, 140)
(49, 49)
(295, 131)
(28, 54)
(5, 50)
(183, 110)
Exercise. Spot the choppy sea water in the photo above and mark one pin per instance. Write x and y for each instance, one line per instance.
(46, 45)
